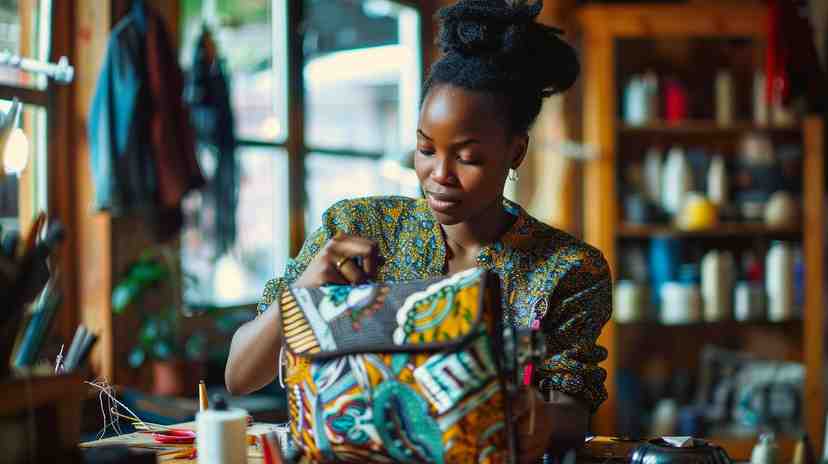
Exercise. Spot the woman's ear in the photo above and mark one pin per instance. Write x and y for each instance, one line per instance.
(520, 147)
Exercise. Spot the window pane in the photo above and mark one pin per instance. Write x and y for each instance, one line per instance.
(24, 31)
(261, 248)
(23, 190)
(362, 75)
(250, 37)
(365, 176)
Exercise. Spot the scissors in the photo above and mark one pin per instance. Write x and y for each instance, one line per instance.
(174, 436)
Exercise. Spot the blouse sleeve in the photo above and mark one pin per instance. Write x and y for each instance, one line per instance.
(294, 268)
(580, 306)
(336, 218)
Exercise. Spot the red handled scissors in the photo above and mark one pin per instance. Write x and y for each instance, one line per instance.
(174, 436)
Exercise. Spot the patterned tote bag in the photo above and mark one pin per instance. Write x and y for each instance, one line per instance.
(410, 372)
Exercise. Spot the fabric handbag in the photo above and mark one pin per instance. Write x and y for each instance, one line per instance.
(410, 372)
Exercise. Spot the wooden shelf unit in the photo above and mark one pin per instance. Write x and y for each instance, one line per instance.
(739, 449)
(697, 126)
(54, 403)
(601, 29)
(725, 229)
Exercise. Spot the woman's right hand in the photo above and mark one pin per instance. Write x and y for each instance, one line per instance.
(337, 263)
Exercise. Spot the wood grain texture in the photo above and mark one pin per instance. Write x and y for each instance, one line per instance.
(599, 185)
(813, 251)
(694, 20)
(92, 229)
(61, 169)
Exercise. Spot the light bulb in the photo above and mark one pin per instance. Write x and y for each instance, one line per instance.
(16, 154)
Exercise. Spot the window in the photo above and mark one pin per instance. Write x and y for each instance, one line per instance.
(25, 32)
(23, 189)
(356, 89)
(362, 84)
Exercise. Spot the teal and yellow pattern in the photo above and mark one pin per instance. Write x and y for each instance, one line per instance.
(418, 383)
(545, 274)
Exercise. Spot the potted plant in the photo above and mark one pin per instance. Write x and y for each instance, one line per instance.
(176, 359)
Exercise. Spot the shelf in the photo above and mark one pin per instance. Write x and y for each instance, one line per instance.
(723, 230)
(21, 394)
(793, 324)
(740, 448)
(701, 126)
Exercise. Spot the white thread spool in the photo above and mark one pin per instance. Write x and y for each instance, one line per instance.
(221, 435)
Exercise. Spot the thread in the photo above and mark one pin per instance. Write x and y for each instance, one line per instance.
(221, 434)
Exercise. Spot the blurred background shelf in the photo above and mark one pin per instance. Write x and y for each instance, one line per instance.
(793, 324)
(623, 43)
(700, 126)
(739, 448)
(726, 229)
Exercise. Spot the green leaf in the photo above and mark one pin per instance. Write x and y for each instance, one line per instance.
(148, 272)
(196, 346)
(123, 296)
(148, 334)
(137, 357)
(162, 350)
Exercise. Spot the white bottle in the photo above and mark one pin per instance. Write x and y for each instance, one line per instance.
(781, 114)
(766, 451)
(717, 285)
(651, 95)
(717, 181)
(652, 174)
(681, 303)
(628, 302)
(779, 281)
(635, 104)
(724, 98)
(677, 181)
(760, 102)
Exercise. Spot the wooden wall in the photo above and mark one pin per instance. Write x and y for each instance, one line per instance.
(98, 248)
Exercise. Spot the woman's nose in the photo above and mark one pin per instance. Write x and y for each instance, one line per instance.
(443, 171)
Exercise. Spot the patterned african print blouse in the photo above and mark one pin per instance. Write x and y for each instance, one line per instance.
(545, 274)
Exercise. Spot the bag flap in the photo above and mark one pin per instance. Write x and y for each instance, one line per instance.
(413, 316)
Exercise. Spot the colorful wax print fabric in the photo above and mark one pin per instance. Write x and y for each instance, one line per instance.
(400, 373)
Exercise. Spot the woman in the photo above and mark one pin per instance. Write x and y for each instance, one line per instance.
(480, 100)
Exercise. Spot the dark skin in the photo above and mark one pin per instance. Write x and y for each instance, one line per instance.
(464, 152)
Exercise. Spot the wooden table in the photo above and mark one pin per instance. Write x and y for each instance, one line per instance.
(145, 441)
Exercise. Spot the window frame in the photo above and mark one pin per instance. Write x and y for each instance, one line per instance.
(293, 144)
(44, 99)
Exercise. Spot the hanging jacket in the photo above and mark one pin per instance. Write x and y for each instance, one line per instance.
(122, 167)
(208, 95)
(141, 142)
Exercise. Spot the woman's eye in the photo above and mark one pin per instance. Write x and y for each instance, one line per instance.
(468, 161)
(425, 152)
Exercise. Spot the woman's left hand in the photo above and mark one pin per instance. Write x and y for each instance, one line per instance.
(533, 438)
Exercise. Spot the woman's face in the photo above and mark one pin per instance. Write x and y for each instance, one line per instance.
(464, 152)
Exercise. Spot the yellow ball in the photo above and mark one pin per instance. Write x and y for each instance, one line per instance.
(698, 213)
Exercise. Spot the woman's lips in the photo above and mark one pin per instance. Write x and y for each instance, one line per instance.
(441, 203)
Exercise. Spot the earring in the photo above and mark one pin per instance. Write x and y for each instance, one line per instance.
(513, 175)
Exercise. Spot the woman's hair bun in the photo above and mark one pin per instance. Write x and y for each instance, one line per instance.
(505, 34)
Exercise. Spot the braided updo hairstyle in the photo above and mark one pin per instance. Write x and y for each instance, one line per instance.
(496, 46)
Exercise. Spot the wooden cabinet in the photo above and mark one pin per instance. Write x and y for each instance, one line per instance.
(615, 39)
(41, 416)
